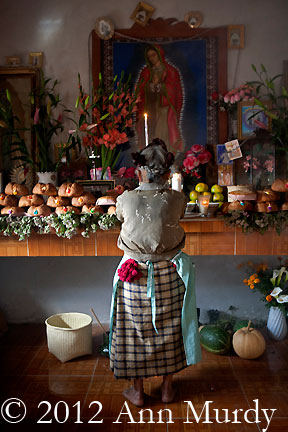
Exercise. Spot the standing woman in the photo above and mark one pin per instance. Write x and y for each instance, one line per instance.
(153, 320)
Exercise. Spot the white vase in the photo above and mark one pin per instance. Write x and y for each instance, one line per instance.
(276, 324)
(47, 177)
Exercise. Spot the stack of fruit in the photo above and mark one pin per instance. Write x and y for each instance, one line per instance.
(215, 193)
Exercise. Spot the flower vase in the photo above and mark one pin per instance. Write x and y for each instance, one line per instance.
(232, 125)
(47, 177)
(276, 324)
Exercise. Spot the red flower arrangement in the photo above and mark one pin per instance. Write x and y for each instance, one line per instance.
(105, 122)
(195, 157)
(128, 272)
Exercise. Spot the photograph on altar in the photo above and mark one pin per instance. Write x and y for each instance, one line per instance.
(172, 79)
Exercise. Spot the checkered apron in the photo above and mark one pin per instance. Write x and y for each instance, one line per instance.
(137, 351)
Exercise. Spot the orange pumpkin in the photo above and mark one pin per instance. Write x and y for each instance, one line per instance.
(248, 343)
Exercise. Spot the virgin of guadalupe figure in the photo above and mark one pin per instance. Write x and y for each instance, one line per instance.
(161, 97)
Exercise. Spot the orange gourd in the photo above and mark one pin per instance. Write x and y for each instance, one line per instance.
(248, 343)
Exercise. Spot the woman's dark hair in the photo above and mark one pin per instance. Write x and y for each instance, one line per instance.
(155, 159)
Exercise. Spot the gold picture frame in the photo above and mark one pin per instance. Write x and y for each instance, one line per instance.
(36, 59)
(142, 13)
(194, 19)
(246, 124)
(235, 35)
(13, 60)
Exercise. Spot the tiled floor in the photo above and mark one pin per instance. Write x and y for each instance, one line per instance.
(81, 388)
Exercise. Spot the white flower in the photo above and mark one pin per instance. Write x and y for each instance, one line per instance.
(278, 274)
(280, 299)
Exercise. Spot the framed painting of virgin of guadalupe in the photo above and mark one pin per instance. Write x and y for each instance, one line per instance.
(175, 68)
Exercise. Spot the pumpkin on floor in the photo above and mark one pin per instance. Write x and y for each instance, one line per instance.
(248, 343)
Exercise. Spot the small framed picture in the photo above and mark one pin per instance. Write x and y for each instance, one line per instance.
(104, 28)
(193, 19)
(13, 60)
(250, 117)
(36, 59)
(142, 13)
(233, 149)
(235, 36)
(97, 187)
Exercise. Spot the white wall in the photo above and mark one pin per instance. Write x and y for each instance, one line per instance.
(61, 28)
(32, 289)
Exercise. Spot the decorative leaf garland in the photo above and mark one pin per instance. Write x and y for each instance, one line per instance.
(257, 222)
(65, 225)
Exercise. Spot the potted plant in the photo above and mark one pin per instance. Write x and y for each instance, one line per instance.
(45, 124)
(277, 107)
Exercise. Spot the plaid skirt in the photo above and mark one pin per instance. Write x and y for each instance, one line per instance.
(137, 351)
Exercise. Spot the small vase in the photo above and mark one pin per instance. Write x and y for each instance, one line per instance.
(276, 324)
(47, 177)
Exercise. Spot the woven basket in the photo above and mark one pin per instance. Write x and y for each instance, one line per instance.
(69, 335)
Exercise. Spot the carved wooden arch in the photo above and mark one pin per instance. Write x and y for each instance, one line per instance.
(171, 29)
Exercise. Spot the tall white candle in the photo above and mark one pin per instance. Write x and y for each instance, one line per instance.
(146, 127)
(176, 182)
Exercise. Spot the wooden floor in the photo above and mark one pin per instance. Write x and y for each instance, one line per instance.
(30, 373)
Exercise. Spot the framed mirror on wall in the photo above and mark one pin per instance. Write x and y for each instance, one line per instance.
(174, 63)
(19, 81)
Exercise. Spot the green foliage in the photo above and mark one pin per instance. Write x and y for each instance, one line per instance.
(45, 102)
(64, 225)
(277, 108)
(257, 222)
(11, 131)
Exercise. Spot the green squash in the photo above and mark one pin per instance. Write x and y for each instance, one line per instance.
(215, 339)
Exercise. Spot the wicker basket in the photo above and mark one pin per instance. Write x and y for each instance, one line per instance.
(69, 335)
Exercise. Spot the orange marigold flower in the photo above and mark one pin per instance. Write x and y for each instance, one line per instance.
(245, 281)
(256, 280)
(252, 286)
(269, 298)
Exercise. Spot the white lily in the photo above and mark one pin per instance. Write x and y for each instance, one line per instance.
(278, 274)
(276, 291)
(280, 298)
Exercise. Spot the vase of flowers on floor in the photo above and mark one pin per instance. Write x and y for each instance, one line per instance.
(273, 286)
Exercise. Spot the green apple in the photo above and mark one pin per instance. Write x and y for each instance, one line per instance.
(218, 197)
(201, 187)
(193, 195)
(216, 189)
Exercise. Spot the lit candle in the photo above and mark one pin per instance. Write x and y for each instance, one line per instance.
(203, 204)
(146, 128)
(176, 182)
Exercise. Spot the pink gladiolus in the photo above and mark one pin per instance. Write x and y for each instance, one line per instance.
(226, 98)
(36, 116)
(237, 97)
(71, 131)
